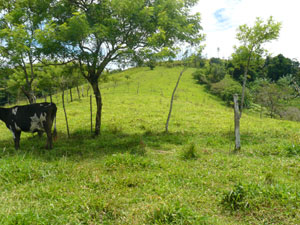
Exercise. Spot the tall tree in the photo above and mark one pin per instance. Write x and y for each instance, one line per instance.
(96, 33)
(252, 39)
(19, 20)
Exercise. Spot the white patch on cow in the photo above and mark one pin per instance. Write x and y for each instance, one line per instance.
(10, 128)
(37, 123)
(43, 117)
(41, 104)
(17, 128)
(14, 111)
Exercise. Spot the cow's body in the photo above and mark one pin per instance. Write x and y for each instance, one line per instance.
(32, 118)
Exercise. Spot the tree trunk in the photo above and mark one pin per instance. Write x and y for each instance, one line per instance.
(91, 111)
(50, 94)
(78, 92)
(237, 123)
(71, 96)
(66, 117)
(29, 95)
(98, 98)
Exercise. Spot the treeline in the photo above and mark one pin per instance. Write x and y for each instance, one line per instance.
(271, 87)
(47, 81)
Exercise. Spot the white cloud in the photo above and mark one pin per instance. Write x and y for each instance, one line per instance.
(220, 19)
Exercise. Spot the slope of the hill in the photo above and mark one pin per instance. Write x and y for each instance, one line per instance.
(134, 173)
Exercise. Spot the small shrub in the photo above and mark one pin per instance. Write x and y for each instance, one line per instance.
(235, 199)
(189, 153)
(226, 88)
(200, 76)
(215, 72)
(269, 179)
(293, 150)
(151, 64)
(104, 78)
(140, 149)
(172, 214)
(290, 113)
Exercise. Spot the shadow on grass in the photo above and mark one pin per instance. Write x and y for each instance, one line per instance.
(82, 145)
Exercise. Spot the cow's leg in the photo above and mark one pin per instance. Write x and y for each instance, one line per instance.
(47, 128)
(40, 133)
(17, 135)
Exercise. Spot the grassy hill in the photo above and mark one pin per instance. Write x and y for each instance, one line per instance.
(134, 173)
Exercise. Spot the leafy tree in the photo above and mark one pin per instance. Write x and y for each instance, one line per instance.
(272, 95)
(252, 39)
(239, 57)
(280, 66)
(19, 20)
(215, 72)
(96, 33)
(5, 95)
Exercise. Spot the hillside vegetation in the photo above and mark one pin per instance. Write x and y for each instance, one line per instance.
(134, 173)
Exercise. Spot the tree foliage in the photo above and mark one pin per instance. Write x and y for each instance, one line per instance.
(252, 40)
(19, 21)
(96, 33)
(280, 66)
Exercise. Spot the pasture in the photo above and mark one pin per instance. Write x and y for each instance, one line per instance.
(134, 173)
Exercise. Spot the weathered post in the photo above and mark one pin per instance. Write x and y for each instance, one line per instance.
(172, 99)
(63, 102)
(91, 109)
(237, 123)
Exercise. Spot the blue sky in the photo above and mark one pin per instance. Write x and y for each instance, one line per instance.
(221, 18)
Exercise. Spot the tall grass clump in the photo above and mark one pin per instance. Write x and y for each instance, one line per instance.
(189, 152)
(235, 199)
(173, 214)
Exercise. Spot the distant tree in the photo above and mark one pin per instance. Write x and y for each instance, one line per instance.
(215, 61)
(19, 20)
(237, 63)
(215, 72)
(96, 33)
(271, 95)
(280, 66)
(252, 39)
(5, 94)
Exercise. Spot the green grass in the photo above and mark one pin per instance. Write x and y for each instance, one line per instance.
(134, 173)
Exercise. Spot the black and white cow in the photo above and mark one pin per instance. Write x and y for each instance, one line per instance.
(38, 117)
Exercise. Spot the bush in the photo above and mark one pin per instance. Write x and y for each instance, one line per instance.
(173, 214)
(200, 76)
(293, 150)
(226, 88)
(151, 64)
(290, 113)
(211, 74)
(215, 72)
(235, 199)
(189, 153)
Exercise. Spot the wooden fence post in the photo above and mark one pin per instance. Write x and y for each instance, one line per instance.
(172, 99)
(91, 109)
(237, 123)
(63, 102)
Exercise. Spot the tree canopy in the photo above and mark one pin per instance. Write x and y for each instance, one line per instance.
(252, 40)
(96, 33)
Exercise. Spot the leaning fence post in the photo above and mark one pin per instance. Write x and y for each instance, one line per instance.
(91, 109)
(63, 102)
(237, 117)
